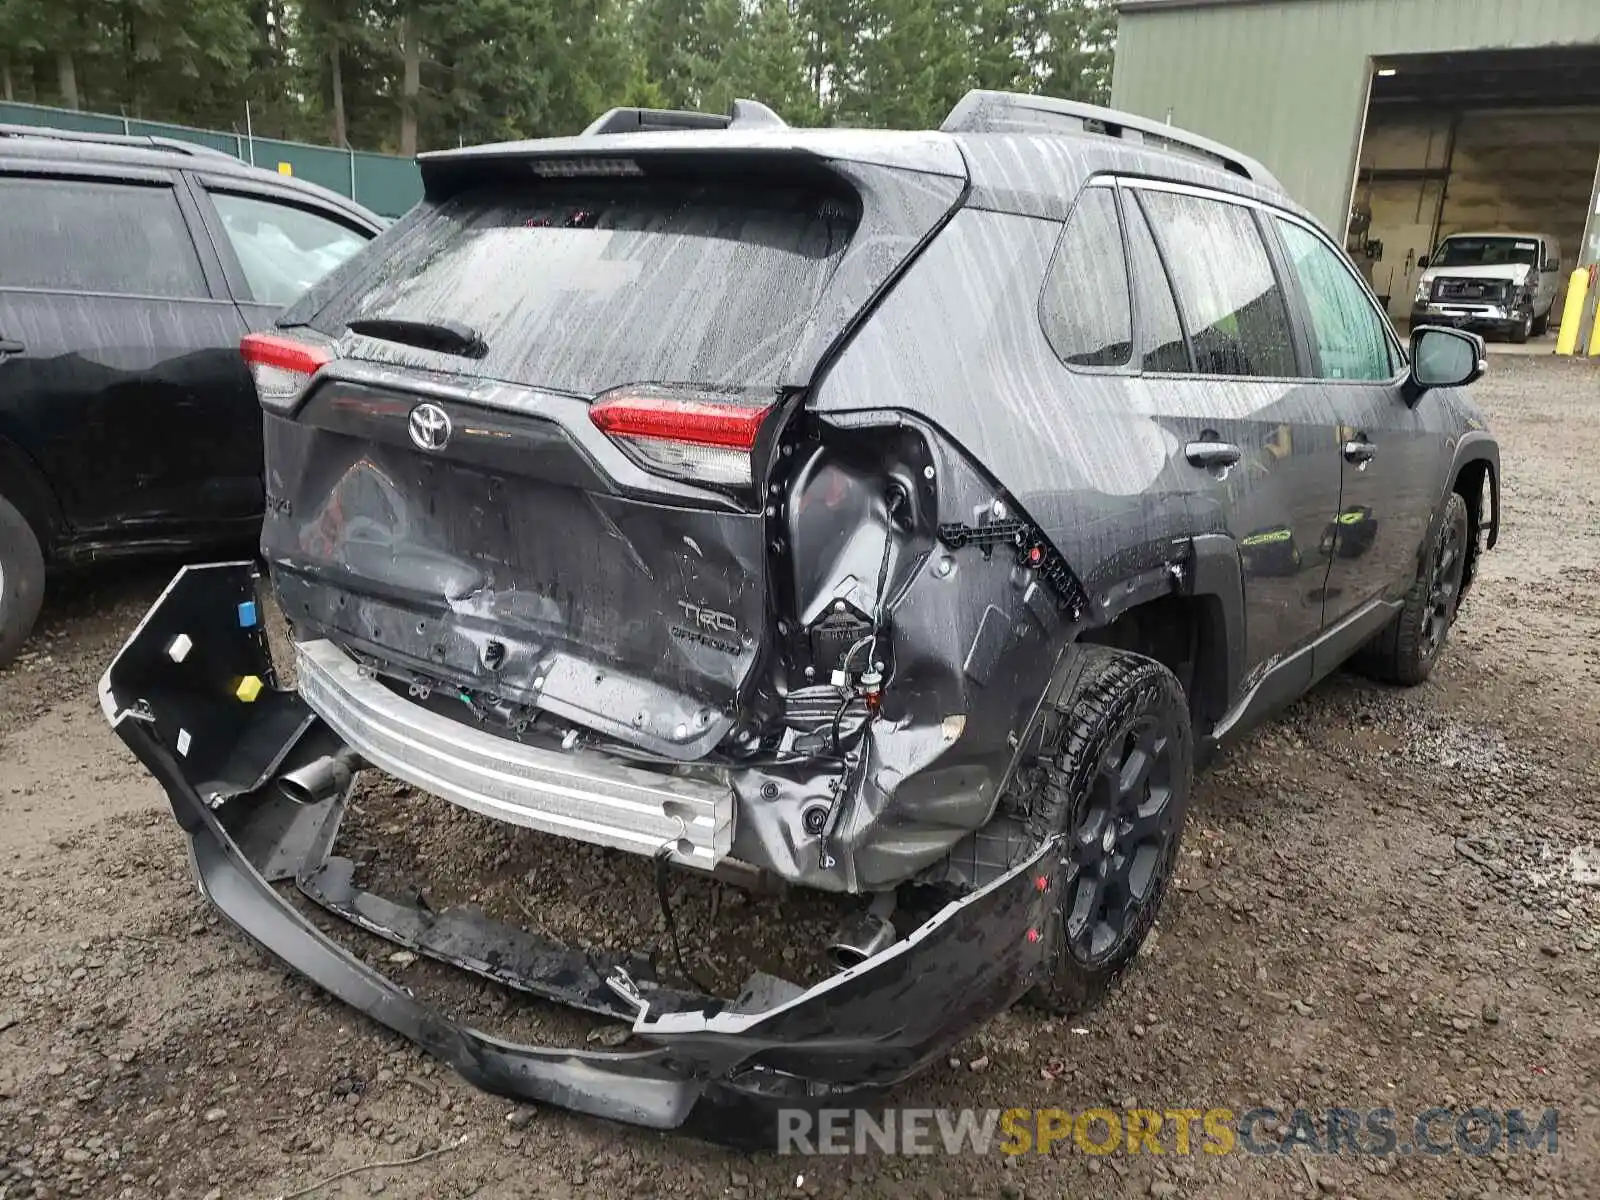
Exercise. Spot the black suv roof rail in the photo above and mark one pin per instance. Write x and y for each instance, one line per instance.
(141, 141)
(981, 111)
(744, 114)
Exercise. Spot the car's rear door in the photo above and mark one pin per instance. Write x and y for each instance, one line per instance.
(117, 325)
(1251, 434)
(1548, 280)
(1390, 457)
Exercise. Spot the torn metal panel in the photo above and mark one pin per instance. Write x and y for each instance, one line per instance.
(865, 512)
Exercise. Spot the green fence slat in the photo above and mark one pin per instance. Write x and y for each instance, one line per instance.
(387, 184)
(58, 118)
(382, 182)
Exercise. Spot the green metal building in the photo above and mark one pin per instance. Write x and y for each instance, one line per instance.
(1416, 118)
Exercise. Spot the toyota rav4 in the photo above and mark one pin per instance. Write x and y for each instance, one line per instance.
(898, 514)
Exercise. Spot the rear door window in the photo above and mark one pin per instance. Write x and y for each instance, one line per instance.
(283, 249)
(1084, 307)
(581, 287)
(1232, 304)
(1162, 345)
(83, 235)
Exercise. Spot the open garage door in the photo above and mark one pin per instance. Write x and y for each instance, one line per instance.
(1488, 141)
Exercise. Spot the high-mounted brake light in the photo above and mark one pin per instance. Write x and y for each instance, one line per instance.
(282, 367)
(703, 437)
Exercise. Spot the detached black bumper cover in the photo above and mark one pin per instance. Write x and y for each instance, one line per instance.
(193, 694)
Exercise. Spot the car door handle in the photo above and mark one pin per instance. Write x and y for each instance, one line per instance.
(1360, 453)
(1212, 454)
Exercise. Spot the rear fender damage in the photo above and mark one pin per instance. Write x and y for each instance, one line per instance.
(898, 558)
(193, 695)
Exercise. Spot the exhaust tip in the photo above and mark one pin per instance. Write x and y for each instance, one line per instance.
(320, 779)
(860, 938)
(842, 958)
(295, 791)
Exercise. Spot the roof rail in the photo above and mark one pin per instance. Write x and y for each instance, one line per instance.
(981, 111)
(744, 114)
(139, 141)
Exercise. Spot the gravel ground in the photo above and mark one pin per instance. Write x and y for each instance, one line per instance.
(1386, 899)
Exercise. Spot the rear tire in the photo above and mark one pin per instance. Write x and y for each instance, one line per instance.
(1405, 651)
(21, 580)
(1112, 779)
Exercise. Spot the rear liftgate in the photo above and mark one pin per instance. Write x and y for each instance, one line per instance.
(194, 695)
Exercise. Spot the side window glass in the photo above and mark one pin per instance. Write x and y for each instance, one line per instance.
(80, 235)
(1351, 342)
(1084, 306)
(282, 249)
(1164, 349)
(1231, 302)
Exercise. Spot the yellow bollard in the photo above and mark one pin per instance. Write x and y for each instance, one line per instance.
(1572, 312)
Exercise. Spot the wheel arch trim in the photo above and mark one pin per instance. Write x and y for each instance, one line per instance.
(28, 488)
(1475, 447)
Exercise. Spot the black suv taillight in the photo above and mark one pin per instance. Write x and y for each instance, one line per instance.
(282, 367)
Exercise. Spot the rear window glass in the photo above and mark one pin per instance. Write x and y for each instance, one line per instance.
(581, 288)
(1237, 319)
(1164, 349)
(1084, 307)
(80, 235)
(283, 249)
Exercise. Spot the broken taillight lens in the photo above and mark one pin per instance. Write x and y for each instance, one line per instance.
(282, 367)
(699, 436)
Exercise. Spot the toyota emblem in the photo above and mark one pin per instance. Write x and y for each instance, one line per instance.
(430, 427)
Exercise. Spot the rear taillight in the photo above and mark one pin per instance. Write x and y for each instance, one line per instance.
(282, 367)
(703, 437)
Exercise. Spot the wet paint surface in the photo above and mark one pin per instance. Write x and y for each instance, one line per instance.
(698, 621)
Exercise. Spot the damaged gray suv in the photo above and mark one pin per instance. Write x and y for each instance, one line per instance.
(901, 515)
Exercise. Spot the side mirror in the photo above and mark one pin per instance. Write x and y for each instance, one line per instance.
(1422, 263)
(1552, 264)
(1442, 357)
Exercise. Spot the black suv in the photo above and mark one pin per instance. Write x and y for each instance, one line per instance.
(895, 514)
(129, 269)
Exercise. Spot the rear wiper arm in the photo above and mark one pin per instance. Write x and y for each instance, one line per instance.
(447, 337)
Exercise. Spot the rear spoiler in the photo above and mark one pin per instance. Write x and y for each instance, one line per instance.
(744, 114)
(736, 149)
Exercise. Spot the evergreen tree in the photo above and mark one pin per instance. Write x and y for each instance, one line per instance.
(405, 75)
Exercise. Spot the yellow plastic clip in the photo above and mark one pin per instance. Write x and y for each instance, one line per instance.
(249, 688)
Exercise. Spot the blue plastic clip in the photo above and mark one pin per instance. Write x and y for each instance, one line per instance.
(247, 615)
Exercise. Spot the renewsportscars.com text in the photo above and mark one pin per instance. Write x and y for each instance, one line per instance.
(1171, 1131)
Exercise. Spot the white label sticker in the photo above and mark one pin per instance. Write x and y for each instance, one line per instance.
(183, 742)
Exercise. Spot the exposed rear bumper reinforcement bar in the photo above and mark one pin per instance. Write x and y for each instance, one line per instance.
(193, 694)
(576, 794)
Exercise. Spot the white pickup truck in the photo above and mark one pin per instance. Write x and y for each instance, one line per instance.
(1503, 283)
